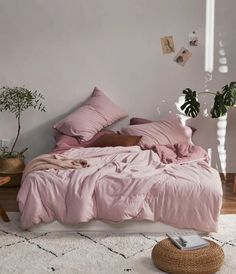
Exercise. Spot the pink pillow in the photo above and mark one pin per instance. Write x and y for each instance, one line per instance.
(168, 131)
(139, 121)
(98, 112)
(65, 142)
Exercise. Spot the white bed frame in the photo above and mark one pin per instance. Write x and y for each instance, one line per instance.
(110, 227)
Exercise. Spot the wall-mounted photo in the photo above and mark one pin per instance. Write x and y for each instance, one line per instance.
(167, 44)
(182, 56)
(193, 39)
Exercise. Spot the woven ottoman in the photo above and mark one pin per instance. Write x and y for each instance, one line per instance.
(167, 257)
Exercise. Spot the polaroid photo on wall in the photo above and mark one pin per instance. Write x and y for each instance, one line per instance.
(167, 44)
(182, 56)
(193, 39)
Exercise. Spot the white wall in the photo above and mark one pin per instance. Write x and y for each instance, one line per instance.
(63, 48)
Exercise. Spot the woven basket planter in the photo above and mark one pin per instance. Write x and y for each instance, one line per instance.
(12, 167)
(173, 260)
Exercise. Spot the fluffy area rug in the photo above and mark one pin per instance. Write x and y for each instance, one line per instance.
(91, 253)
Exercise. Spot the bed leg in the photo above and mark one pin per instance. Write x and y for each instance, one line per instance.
(3, 214)
(234, 182)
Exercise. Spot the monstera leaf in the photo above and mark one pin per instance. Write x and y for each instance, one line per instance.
(229, 93)
(224, 100)
(191, 106)
(219, 107)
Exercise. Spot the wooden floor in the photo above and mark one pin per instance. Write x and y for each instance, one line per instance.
(229, 200)
(8, 198)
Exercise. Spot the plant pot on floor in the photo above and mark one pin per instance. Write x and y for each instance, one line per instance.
(12, 167)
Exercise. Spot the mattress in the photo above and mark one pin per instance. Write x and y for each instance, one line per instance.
(126, 227)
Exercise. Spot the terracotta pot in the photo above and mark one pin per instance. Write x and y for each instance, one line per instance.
(12, 167)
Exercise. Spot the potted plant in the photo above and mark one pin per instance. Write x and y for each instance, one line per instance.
(223, 100)
(16, 100)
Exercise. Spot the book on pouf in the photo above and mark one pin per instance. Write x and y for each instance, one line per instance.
(187, 240)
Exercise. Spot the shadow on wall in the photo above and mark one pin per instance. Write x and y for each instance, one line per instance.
(203, 136)
(39, 140)
(230, 144)
(222, 121)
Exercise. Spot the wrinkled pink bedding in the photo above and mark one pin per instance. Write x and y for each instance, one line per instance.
(123, 183)
(179, 153)
(53, 161)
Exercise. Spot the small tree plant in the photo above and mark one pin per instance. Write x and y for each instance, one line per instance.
(223, 100)
(16, 100)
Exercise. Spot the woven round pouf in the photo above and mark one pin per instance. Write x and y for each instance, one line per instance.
(167, 257)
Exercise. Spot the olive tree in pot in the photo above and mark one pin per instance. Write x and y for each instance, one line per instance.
(16, 100)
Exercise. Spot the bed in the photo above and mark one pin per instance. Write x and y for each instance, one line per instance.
(156, 182)
(123, 183)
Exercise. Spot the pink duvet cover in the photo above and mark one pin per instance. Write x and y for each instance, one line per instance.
(123, 183)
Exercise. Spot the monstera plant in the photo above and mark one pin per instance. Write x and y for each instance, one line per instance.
(223, 100)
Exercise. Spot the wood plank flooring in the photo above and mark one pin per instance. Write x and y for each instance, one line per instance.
(229, 199)
(8, 198)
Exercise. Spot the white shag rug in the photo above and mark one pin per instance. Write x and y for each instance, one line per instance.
(91, 253)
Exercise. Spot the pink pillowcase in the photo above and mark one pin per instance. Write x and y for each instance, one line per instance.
(138, 121)
(98, 112)
(168, 131)
(65, 142)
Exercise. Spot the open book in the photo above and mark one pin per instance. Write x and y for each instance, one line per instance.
(187, 240)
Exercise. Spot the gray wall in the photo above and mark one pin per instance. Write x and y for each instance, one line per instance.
(64, 48)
